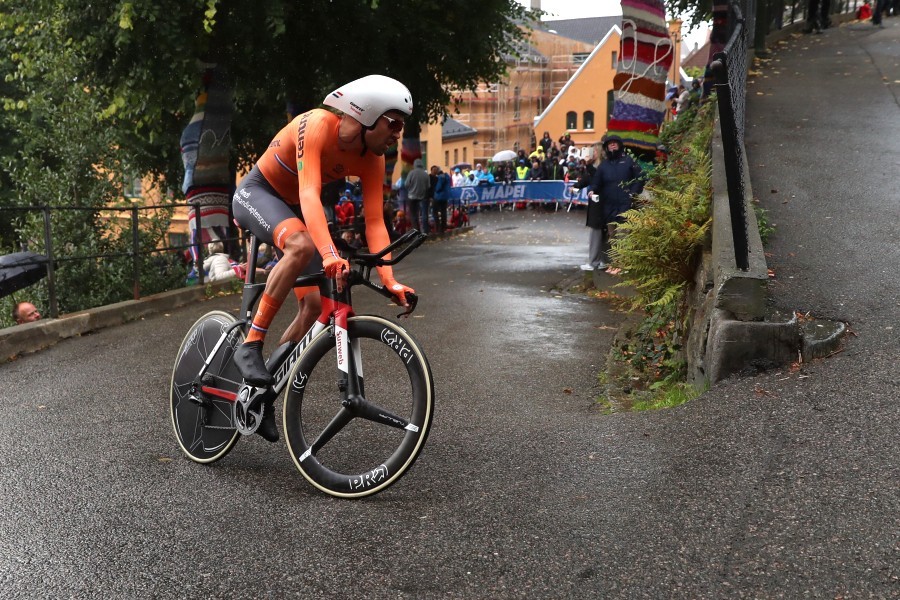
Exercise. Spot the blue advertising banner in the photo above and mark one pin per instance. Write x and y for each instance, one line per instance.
(519, 191)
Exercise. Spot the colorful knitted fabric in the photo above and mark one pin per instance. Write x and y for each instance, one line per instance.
(645, 55)
(206, 142)
(390, 162)
(410, 150)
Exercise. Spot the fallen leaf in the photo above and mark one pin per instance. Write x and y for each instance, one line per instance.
(567, 390)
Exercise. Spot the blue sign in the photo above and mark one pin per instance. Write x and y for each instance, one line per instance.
(519, 191)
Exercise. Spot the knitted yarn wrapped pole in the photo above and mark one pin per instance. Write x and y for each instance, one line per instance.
(390, 163)
(205, 153)
(639, 87)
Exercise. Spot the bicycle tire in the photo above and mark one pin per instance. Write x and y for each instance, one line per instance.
(365, 457)
(205, 433)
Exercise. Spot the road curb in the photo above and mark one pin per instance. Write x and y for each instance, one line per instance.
(32, 337)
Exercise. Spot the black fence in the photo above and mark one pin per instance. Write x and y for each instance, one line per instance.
(729, 67)
(52, 259)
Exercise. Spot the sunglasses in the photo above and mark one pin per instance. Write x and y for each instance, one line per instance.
(395, 125)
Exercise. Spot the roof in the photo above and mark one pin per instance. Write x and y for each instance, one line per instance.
(590, 30)
(697, 58)
(562, 92)
(454, 129)
(524, 51)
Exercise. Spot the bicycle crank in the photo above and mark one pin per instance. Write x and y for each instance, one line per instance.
(247, 411)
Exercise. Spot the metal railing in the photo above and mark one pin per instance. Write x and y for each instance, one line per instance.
(729, 68)
(51, 260)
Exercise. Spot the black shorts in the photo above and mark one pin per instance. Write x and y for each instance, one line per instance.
(258, 207)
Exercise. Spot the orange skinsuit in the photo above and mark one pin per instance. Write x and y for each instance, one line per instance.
(302, 156)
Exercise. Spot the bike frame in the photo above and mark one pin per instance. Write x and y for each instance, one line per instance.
(337, 309)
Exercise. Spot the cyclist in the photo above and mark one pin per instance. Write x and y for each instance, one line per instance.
(280, 202)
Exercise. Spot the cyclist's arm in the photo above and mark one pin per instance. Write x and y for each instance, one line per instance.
(309, 180)
(376, 232)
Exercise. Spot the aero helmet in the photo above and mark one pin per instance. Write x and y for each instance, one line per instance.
(368, 98)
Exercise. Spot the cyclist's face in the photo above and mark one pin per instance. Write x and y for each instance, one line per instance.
(385, 133)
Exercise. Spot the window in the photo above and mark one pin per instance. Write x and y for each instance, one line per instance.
(465, 152)
(178, 240)
(517, 103)
(615, 56)
(571, 120)
(133, 187)
(455, 155)
(588, 119)
(610, 102)
(446, 158)
(424, 147)
(579, 57)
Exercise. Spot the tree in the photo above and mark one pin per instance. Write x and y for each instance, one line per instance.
(93, 91)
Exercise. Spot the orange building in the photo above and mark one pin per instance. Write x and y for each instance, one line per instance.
(560, 82)
(566, 66)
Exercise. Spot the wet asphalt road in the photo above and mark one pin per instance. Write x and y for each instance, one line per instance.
(782, 485)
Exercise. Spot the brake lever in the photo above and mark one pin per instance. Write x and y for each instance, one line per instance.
(411, 301)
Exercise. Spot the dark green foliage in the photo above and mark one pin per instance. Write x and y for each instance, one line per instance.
(92, 91)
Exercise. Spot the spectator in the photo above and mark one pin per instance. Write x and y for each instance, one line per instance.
(617, 180)
(442, 186)
(538, 154)
(265, 259)
(481, 176)
(546, 142)
(553, 169)
(878, 13)
(694, 95)
(25, 312)
(352, 239)
(217, 264)
(817, 16)
(684, 98)
(565, 140)
(458, 178)
(536, 172)
(417, 190)
(864, 12)
(345, 212)
(522, 169)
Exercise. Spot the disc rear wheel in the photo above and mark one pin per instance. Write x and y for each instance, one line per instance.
(202, 410)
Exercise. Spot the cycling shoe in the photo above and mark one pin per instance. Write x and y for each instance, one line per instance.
(250, 363)
(267, 428)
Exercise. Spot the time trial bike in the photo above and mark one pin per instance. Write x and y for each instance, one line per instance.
(350, 435)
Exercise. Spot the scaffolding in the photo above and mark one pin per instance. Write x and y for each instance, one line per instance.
(503, 113)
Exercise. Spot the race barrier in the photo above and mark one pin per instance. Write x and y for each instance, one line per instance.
(518, 191)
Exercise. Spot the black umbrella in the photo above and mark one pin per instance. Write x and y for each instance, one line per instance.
(19, 270)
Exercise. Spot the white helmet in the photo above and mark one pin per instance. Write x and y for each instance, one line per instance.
(368, 98)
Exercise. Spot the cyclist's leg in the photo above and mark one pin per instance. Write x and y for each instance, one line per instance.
(258, 208)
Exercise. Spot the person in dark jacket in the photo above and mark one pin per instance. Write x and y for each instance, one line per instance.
(617, 180)
(441, 194)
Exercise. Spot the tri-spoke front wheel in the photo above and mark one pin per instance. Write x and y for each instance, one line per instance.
(354, 445)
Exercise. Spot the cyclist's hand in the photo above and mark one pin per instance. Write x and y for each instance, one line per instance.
(338, 269)
(399, 291)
